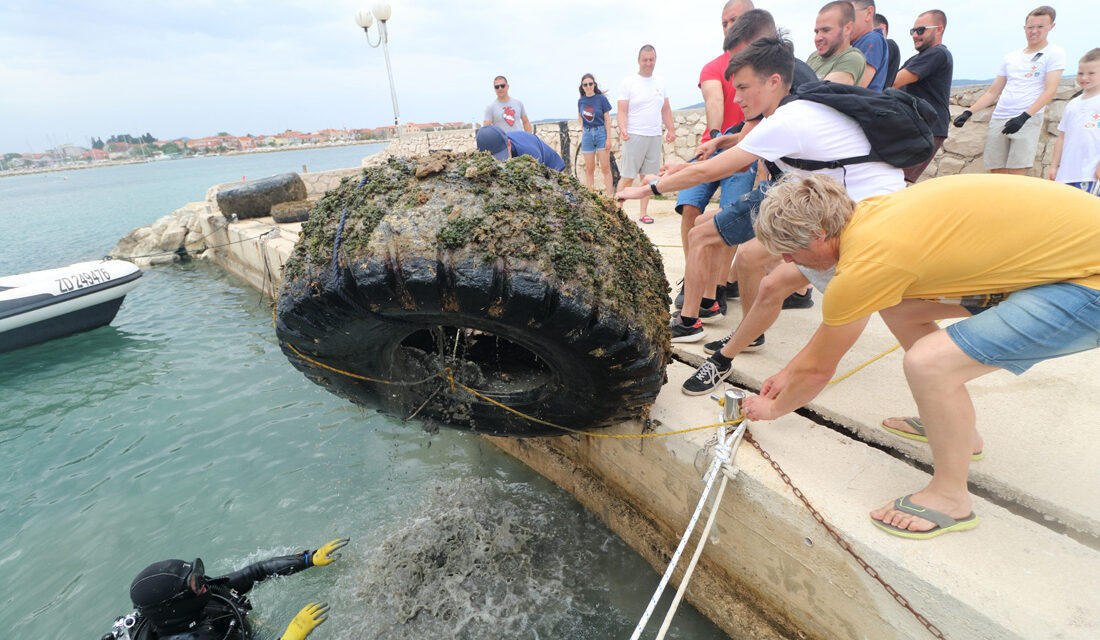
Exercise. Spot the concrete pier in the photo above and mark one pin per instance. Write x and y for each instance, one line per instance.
(1030, 570)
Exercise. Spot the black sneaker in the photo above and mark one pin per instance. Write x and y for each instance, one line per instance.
(733, 291)
(755, 345)
(720, 297)
(680, 333)
(706, 378)
(679, 303)
(799, 300)
(715, 312)
(711, 347)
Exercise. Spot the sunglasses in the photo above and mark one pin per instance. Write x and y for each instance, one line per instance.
(588, 84)
(499, 86)
(920, 30)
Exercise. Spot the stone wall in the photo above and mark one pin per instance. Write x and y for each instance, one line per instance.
(961, 153)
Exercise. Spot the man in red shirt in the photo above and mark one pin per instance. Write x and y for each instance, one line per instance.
(722, 114)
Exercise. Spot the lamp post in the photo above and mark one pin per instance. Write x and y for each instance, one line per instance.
(364, 18)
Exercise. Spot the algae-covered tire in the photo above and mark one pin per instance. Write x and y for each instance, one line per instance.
(570, 331)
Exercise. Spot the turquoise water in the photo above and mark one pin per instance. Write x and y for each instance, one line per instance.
(180, 430)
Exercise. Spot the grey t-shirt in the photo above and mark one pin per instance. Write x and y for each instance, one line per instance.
(506, 115)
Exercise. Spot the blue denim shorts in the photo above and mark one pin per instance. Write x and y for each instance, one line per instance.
(1031, 325)
(1092, 186)
(593, 139)
(733, 187)
(735, 221)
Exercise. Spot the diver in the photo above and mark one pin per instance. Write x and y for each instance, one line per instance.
(175, 600)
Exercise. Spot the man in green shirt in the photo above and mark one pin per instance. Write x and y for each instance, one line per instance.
(835, 59)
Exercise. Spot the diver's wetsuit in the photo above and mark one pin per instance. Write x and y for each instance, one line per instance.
(223, 617)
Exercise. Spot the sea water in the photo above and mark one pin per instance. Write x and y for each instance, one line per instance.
(181, 431)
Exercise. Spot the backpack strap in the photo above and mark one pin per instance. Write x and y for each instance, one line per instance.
(818, 165)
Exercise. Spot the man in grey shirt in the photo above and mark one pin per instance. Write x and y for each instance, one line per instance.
(506, 112)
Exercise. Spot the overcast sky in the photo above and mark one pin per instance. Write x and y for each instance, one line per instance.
(71, 70)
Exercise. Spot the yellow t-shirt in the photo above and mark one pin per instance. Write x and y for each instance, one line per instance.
(962, 236)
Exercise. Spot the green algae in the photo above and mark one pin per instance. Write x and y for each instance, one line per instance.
(469, 206)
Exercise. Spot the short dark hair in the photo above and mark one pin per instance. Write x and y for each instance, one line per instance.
(766, 56)
(753, 24)
(501, 78)
(1044, 10)
(938, 17)
(847, 11)
(881, 21)
(647, 47)
(863, 4)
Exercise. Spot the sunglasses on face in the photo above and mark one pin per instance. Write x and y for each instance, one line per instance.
(499, 86)
(920, 30)
(588, 84)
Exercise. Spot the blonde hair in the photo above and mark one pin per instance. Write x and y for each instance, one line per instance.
(1091, 56)
(798, 209)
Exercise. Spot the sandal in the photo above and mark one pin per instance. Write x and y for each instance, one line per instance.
(646, 219)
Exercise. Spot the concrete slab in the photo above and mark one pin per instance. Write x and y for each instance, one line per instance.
(1039, 428)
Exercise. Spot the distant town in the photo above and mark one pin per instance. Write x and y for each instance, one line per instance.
(125, 148)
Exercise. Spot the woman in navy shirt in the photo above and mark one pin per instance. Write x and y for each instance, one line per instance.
(596, 137)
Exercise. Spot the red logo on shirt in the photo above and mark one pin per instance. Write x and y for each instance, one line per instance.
(589, 113)
(509, 116)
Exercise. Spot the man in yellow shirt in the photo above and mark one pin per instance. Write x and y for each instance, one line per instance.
(1018, 257)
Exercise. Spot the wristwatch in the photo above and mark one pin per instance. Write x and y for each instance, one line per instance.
(653, 186)
(714, 133)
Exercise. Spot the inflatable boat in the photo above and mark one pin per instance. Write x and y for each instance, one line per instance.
(43, 305)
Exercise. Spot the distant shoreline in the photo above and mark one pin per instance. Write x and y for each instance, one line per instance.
(116, 163)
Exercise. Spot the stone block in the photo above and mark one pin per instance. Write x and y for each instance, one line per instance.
(967, 141)
(975, 166)
(949, 166)
(295, 211)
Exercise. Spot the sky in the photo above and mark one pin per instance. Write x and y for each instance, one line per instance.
(72, 70)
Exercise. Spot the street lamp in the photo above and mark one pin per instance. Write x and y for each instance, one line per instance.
(364, 18)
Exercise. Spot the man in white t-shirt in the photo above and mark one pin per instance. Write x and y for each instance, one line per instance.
(1026, 82)
(762, 78)
(643, 105)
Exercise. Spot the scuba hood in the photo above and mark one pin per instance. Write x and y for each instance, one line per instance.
(171, 594)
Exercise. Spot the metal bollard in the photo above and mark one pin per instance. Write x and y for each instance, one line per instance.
(731, 404)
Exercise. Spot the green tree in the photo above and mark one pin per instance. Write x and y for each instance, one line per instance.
(170, 147)
(223, 133)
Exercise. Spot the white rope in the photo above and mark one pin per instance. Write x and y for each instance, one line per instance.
(722, 456)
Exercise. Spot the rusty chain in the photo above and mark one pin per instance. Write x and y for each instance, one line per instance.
(871, 571)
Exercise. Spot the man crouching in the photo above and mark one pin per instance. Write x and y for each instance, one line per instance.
(967, 246)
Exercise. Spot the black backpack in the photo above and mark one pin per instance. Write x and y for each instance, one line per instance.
(897, 124)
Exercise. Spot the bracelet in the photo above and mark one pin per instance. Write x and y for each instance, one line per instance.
(653, 187)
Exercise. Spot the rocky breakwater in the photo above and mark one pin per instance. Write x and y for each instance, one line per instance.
(200, 228)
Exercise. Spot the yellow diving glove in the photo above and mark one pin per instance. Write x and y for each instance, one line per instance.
(325, 554)
(308, 619)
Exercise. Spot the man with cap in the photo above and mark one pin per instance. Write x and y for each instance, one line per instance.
(175, 600)
(503, 145)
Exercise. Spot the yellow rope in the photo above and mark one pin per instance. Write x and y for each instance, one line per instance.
(893, 348)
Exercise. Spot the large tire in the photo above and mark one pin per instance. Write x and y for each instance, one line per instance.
(430, 275)
(254, 198)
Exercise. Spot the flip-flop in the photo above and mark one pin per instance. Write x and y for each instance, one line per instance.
(646, 219)
(944, 523)
(919, 436)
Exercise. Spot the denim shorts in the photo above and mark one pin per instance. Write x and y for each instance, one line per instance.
(735, 221)
(1031, 325)
(593, 139)
(733, 187)
(1092, 186)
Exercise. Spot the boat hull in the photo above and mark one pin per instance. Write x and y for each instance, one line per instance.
(40, 306)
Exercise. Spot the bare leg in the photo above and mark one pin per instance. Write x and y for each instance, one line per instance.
(589, 169)
(643, 202)
(704, 242)
(1012, 172)
(605, 167)
(780, 283)
(937, 371)
(753, 261)
(722, 256)
(911, 320)
(688, 217)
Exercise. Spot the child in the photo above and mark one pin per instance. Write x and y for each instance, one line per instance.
(1079, 131)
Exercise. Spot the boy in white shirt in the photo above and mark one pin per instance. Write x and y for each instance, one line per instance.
(1026, 82)
(1076, 158)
